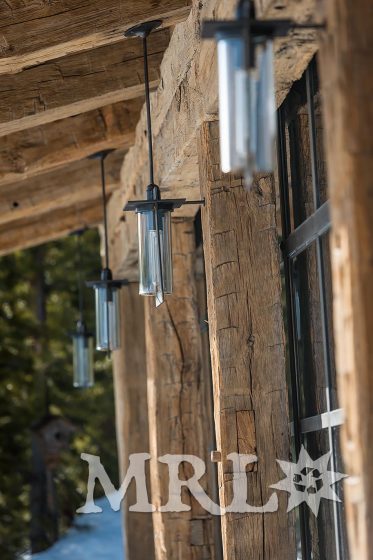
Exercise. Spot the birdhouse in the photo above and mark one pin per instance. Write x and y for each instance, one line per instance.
(53, 435)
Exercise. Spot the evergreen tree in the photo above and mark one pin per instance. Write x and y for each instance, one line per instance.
(36, 375)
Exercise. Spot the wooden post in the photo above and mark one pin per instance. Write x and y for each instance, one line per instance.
(179, 422)
(247, 344)
(347, 89)
(131, 412)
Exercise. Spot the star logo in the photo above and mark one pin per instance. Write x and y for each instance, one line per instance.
(308, 481)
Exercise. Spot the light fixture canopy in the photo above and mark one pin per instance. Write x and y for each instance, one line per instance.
(154, 213)
(106, 289)
(246, 88)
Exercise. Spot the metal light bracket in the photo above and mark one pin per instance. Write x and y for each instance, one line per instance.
(106, 280)
(269, 28)
(155, 201)
(81, 330)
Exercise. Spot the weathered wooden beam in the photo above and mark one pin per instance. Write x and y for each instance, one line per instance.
(179, 422)
(29, 232)
(248, 348)
(189, 96)
(78, 83)
(44, 148)
(347, 92)
(131, 413)
(32, 33)
(74, 184)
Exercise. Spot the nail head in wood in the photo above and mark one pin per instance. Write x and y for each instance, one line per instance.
(215, 456)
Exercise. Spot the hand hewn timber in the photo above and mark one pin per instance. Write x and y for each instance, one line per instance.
(44, 148)
(347, 90)
(131, 414)
(75, 184)
(248, 348)
(188, 96)
(64, 28)
(177, 404)
(32, 231)
(78, 83)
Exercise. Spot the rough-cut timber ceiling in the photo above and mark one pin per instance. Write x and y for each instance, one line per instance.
(43, 148)
(74, 184)
(55, 224)
(71, 85)
(187, 98)
(77, 83)
(34, 32)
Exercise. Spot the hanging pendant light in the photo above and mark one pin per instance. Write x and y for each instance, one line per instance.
(247, 109)
(106, 289)
(82, 338)
(83, 356)
(154, 213)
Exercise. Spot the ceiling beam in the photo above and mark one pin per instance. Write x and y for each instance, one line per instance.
(41, 149)
(32, 33)
(32, 231)
(74, 184)
(78, 83)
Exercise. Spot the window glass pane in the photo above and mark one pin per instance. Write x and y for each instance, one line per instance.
(298, 154)
(321, 184)
(324, 530)
(341, 510)
(327, 273)
(309, 338)
(327, 532)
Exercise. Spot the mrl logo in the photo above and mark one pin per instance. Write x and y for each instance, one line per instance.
(306, 481)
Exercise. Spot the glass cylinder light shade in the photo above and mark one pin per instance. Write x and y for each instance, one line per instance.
(155, 253)
(107, 317)
(246, 105)
(234, 102)
(83, 357)
(266, 109)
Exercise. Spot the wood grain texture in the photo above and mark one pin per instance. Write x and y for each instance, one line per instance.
(41, 149)
(131, 413)
(35, 230)
(74, 184)
(78, 83)
(35, 32)
(347, 89)
(177, 402)
(247, 344)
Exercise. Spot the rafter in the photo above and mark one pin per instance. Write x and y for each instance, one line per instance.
(34, 32)
(32, 231)
(78, 83)
(77, 183)
(44, 148)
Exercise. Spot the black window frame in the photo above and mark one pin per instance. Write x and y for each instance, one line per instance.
(295, 242)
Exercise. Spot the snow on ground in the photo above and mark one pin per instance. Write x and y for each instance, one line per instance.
(94, 536)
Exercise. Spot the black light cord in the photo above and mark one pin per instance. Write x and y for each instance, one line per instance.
(103, 183)
(79, 274)
(148, 112)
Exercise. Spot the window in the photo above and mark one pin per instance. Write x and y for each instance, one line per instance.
(315, 413)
